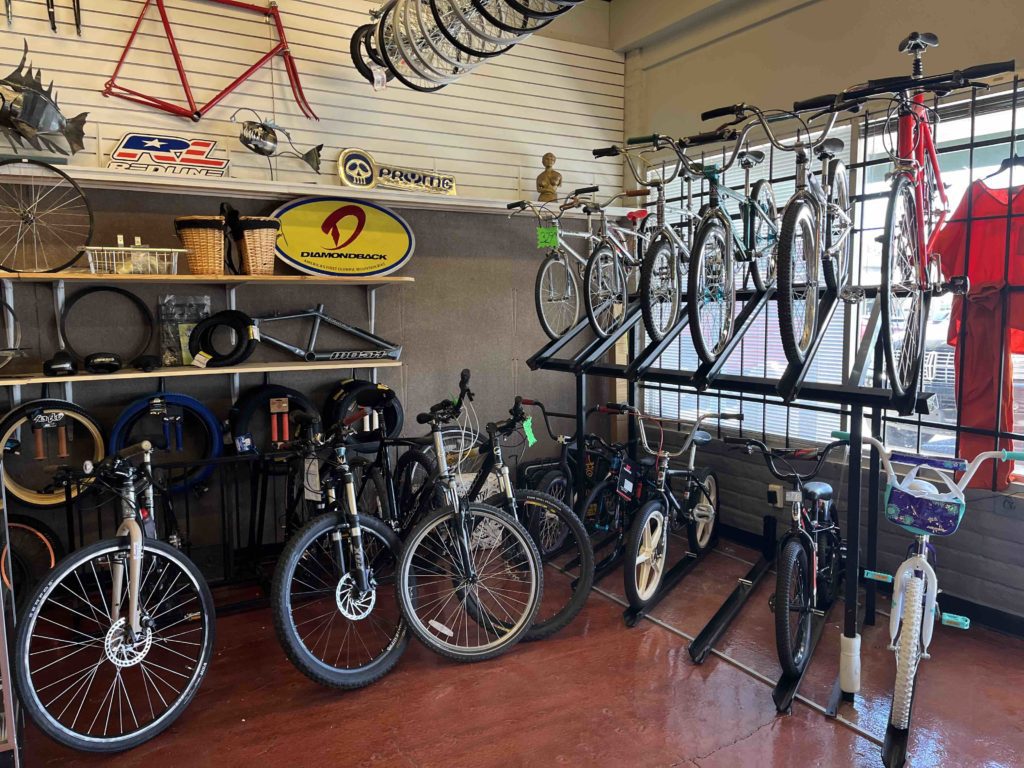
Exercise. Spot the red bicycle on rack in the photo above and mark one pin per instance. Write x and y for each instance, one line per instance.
(193, 111)
(917, 206)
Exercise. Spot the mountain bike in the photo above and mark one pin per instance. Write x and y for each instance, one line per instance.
(917, 206)
(609, 277)
(811, 552)
(557, 287)
(663, 271)
(690, 501)
(470, 578)
(717, 246)
(333, 592)
(919, 507)
(560, 537)
(815, 241)
(117, 638)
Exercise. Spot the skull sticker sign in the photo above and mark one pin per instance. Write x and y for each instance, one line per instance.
(341, 236)
(357, 169)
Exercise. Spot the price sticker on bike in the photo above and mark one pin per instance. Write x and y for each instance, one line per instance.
(626, 487)
(547, 237)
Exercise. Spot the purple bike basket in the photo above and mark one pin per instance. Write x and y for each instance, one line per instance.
(922, 515)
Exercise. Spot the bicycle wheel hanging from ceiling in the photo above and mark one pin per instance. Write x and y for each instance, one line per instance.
(427, 44)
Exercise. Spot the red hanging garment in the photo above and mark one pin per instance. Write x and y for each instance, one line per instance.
(986, 347)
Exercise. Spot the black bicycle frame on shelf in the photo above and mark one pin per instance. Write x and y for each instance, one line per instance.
(385, 350)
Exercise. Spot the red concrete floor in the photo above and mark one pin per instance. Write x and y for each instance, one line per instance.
(597, 694)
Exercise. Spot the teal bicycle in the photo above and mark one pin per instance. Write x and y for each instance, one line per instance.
(923, 508)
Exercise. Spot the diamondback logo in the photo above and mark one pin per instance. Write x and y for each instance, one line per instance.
(167, 155)
(358, 169)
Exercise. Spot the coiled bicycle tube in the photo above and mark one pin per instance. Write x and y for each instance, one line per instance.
(173, 437)
(140, 305)
(200, 340)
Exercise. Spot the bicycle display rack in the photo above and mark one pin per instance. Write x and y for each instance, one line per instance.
(856, 396)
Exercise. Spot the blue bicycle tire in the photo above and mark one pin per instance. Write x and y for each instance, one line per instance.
(130, 415)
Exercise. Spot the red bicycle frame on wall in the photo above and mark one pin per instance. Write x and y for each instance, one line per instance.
(194, 111)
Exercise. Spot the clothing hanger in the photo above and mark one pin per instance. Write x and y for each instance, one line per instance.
(1008, 163)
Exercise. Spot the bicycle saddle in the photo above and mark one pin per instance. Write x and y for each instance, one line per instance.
(700, 437)
(830, 148)
(750, 158)
(638, 215)
(916, 42)
(817, 491)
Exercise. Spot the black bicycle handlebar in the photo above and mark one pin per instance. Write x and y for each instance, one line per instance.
(606, 152)
(520, 204)
(818, 455)
(815, 102)
(732, 109)
(652, 139)
(585, 191)
(724, 133)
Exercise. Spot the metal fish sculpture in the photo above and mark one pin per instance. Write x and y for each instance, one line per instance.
(29, 113)
(260, 136)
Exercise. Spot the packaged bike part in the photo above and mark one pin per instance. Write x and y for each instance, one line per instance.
(177, 316)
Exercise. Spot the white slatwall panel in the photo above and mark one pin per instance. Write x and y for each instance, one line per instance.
(489, 129)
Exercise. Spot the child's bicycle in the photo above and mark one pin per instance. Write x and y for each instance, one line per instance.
(922, 509)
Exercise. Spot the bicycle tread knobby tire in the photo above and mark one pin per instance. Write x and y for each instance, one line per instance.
(897, 386)
(791, 222)
(599, 253)
(547, 627)
(659, 245)
(696, 497)
(119, 435)
(413, 504)
(407, 549)
(10, 421)
(633, 596)
(550, 480)
(297, 654)
(246, 406)
(793, 555)
(538, 290)
(20, 656)
(201, 338)
(760, 189)
(706, 229)
(838, 176)
(85, 200)
(908, 649)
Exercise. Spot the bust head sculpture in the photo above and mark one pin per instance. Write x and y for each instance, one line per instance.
(549, 181)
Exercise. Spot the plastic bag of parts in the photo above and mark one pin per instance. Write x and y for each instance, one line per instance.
(177, 316)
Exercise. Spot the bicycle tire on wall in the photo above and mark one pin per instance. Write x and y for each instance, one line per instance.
(121, 434)
(245, 408)
(17, 418)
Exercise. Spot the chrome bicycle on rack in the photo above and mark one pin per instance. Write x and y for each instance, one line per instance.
(557, 288)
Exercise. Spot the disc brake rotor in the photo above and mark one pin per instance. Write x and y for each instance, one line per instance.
(122, 653)
(352, 603)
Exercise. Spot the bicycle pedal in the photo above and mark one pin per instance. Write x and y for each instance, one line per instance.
(885, 578)
(953, 620)
(852, 294)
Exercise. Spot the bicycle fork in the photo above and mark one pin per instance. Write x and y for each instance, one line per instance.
(917, 564)
(356, 564)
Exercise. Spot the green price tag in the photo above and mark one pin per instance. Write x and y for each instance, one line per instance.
(531, 440)
(547, 237)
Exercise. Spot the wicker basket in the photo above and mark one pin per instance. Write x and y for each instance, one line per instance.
(203, 237)
(259, 239)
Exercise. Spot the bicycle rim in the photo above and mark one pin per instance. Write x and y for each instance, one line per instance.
(475, 612)
(649, 553)
(712, 294)
(804, 281)
(558, 298)
(661, 282)
(84, 681)
(45, 219)
(337, 627)
(605, 292)
(838, 226)
(766, 239)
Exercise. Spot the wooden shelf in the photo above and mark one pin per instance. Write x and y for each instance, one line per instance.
(88, 277)
(280, 191)
(188, 370)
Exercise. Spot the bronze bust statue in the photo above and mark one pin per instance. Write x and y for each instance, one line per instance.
(549, 181)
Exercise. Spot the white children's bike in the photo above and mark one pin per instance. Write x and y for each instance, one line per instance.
(922, 508)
